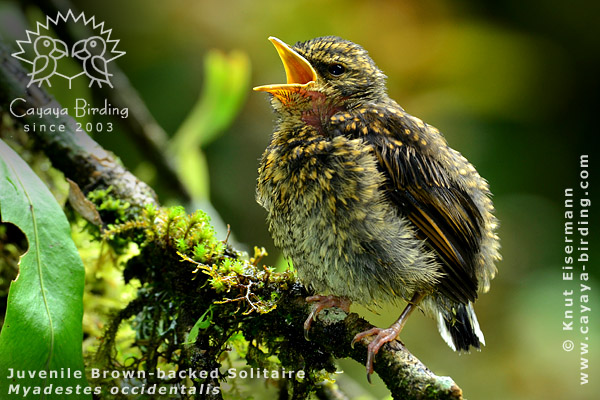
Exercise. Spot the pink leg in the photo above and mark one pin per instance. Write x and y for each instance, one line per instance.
(321, 303)
(386, 335)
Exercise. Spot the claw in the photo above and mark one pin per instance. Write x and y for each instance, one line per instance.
(321, 303)
(359, 336)
(370, 357)
(384, 336)
(306, 333)
(309, 320)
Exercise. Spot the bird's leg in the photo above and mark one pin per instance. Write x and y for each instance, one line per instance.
(386, 335)
(321, 303)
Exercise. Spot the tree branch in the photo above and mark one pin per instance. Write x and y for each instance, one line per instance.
(69, 149)
(404, 375)
(81, 159)
(140, 125)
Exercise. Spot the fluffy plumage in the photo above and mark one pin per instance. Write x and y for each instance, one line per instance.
(369, 202)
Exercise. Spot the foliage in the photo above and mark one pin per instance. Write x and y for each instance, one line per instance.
(42, 328)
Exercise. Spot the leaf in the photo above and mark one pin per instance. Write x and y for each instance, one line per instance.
(226, 84)
(202, 323)
(42, 330)
(82, 205)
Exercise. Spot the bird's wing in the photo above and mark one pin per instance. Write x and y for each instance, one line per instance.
(445, 216)
(99, 66)
(39, 66)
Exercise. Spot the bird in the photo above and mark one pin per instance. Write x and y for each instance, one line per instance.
(47, 53)
(370, 203)
(91, 52)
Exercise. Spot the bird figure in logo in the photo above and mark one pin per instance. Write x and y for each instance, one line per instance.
(91, 52)
(47, 53)
(369, 202)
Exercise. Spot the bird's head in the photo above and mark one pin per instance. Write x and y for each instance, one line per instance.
(326, 73)
(86, 48)
(47, 46)
(96, 45)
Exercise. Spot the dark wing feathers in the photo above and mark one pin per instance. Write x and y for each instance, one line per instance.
(445, 216)
(428, 208)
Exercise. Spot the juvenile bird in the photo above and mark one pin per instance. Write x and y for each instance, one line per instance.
(369, 202)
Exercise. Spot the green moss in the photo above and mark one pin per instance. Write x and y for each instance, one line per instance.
(196, 288)
(113, 210)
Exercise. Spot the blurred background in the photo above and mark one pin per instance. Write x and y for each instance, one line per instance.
(511, 84)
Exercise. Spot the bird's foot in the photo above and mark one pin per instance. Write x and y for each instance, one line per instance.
(383, 336)
(321, 303)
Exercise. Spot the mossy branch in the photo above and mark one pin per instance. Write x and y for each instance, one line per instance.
(69, 149)
(168, 277)
(404, 375)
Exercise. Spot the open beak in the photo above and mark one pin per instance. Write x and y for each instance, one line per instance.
(298, 71)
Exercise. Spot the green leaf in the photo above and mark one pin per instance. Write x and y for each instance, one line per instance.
(226, 85)
(42, 331)
(202, 323)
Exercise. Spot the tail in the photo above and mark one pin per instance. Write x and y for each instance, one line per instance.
(460, 328)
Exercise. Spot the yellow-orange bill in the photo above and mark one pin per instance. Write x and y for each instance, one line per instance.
(298, 70)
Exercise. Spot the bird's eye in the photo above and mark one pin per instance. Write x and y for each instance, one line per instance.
(336, 69)
(93, 43)
(47, 43)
